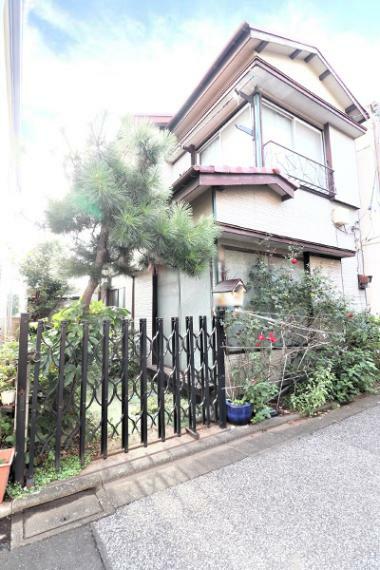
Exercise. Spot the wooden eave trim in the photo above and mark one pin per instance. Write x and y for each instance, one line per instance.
(309, 94)
(202, 181)
(243, 34)
(307, 246)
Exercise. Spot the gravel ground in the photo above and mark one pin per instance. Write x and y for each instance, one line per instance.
(310, 503)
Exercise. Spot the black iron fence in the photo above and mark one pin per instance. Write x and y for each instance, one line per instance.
(104, 387)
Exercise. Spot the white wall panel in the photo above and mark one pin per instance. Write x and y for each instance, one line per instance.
(306, 217)
(143, 299)
(344, 163)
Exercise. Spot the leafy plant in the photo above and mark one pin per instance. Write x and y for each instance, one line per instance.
(73, 316)
(43, 272)
(8, 364)
(7, 437)
(314, 392)
(46, 473)
(259, 395)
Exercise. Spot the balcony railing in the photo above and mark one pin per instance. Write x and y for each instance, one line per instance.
(304, 170)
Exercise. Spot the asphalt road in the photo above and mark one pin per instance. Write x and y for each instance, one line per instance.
(309, 503)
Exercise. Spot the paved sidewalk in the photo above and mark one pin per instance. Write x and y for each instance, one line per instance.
(305, 497)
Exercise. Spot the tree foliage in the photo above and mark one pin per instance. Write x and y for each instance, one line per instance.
(119, 214)
(46, 281)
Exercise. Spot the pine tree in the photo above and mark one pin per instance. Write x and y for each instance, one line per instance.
(119, 214)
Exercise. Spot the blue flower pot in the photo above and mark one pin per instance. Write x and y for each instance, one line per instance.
(239, 414)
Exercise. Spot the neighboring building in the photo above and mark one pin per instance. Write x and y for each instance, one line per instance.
(266, 147)
(368, 153)
(12, 292)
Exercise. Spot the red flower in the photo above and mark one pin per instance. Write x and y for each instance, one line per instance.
(272, 338)
(349, 315)
(294, 261)
(261, 336)
(258, 344)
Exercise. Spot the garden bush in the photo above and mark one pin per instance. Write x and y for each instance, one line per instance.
(298, 333)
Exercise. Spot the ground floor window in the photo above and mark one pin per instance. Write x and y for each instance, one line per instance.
(116, 297)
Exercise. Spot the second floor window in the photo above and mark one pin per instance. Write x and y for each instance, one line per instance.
(292, 133)
(289, 144)
(295, 147)
(231, 146)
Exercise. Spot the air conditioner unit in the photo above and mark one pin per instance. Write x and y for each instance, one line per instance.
(340, 216)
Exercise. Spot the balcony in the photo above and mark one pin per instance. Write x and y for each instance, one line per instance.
(305, 171)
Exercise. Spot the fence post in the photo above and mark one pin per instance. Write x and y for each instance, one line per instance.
(22, 388)
(105, 380)
(176, 375)
(192, 429)
(33, 414)
(143, 384)
(221, 372)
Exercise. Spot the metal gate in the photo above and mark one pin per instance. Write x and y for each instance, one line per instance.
(107, 386)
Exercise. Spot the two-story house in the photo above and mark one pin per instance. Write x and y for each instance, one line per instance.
(266, 146)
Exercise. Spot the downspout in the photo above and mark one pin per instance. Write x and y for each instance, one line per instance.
(214, 265)
(179, 311)
(257, 129)
(133, 297)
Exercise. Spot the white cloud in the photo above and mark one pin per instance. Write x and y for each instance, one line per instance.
(126, 66)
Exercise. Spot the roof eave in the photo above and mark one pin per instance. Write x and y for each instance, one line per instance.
(243, 33)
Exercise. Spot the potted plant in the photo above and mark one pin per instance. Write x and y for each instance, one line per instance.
(8, 371)
(239, 411)
(252, 403)
(6, 458)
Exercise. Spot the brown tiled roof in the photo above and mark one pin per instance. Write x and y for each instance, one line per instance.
(228, 285)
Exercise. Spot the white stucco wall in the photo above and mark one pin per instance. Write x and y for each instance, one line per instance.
(345, 167)
(143, 299)
(354, 296)
(202, 206)
(306, 217)
(180, 166)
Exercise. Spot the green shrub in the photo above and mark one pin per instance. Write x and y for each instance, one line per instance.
(313, 393)
(74, 315)
(7, 437)
(47, 473)
(328, 351)
(259, 395)
(8, 364)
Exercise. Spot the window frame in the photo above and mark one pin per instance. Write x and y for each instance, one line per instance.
(294, 120)
(217, 135)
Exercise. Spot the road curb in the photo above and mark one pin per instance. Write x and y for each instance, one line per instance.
(105, 474)
(278, 430)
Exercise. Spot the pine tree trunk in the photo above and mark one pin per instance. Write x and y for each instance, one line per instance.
(89, 291)
(100, 259)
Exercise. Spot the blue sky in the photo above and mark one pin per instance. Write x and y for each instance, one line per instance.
(83, 57)
(341, 15)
